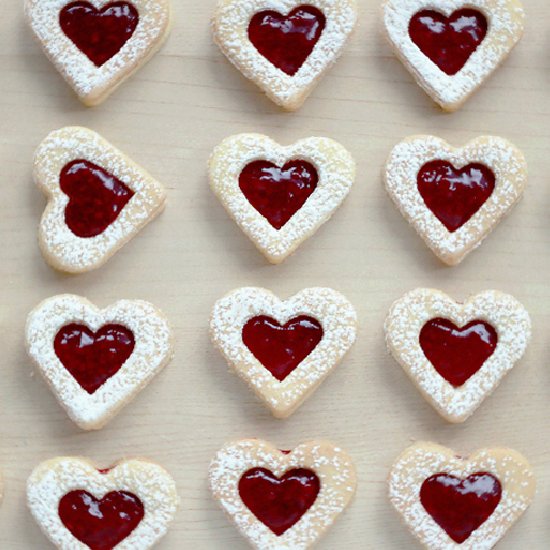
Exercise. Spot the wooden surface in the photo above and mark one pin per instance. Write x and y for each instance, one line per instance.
(169, 117)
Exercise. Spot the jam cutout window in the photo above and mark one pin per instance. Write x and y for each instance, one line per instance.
(96, 197)
(460, 506)
(93, 357)
(457, 353)
(100, 524)
(277, 193)
(448, 41)
(99, 33)
(279, 503)
(455, 195)
(281, 348)
(287, 41)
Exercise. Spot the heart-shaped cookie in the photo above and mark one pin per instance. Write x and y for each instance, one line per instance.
(279, 196)
(283, 46)
(283, 350)
(457, 353)
(96, 361)
(282, 499)
(452, 46)
(128, 506)
(98, 199)
(97, 44)
(449, 501)
(454, 197)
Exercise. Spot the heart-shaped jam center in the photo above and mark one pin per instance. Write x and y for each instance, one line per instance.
(278, 193)
(96, 197)
(457, 353)
(99, 33)
(100, 523)
(281, 348)
(448, 41)
(460, 506)
(287, 40)
(93, 357)
(279, 503)
(454, 195)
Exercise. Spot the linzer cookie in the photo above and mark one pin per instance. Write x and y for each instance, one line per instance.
(454, 197)
(283, 46)
(449, 501)
(98, 199)
(457, 353)
(283, 350)
(97, 45)
(452, 46)
(78, 506)
(282, 499)
(280, 195)
(96, 361)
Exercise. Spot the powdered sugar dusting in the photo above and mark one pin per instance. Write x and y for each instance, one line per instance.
(409, 314)
(423, 460)
(407, 158)
(230, 28)
(152, 351)
(91, 83)
(333, 311)
(331, 464)
(61, 247)
(336, 170)
(53, 479)
(505, 20)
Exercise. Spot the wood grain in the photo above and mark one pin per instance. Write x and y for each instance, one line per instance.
(169, 117)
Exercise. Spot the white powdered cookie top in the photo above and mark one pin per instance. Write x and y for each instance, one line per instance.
(152, 351)
(424, 460)
(61, 247)
(230, 27)
(330, 308)
(331, 464)
(409, 314)
(336, 170)
(74, 65)
(53, 479)
(505, 27)
(401, 172)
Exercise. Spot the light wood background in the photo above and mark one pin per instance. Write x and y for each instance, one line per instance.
(169, 117)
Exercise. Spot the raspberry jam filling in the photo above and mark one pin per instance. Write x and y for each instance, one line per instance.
(457, 353)
(99, 33)
(448, 41)
(100, 524)
(460, 506)
(279, 503)
(454, 195)
(96, 198)
(287, 40)
(93, 357)
(281, 348)
(278, 193)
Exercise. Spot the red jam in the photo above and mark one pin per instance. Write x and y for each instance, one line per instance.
(280, 349)
(287, 41)
(96, 198)
(99, 33)
(448, 41)
(92, 358)
(279, 503)
(278, 193)
(454, 196)
(100, 524)
(460, 506)
(457, 353)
